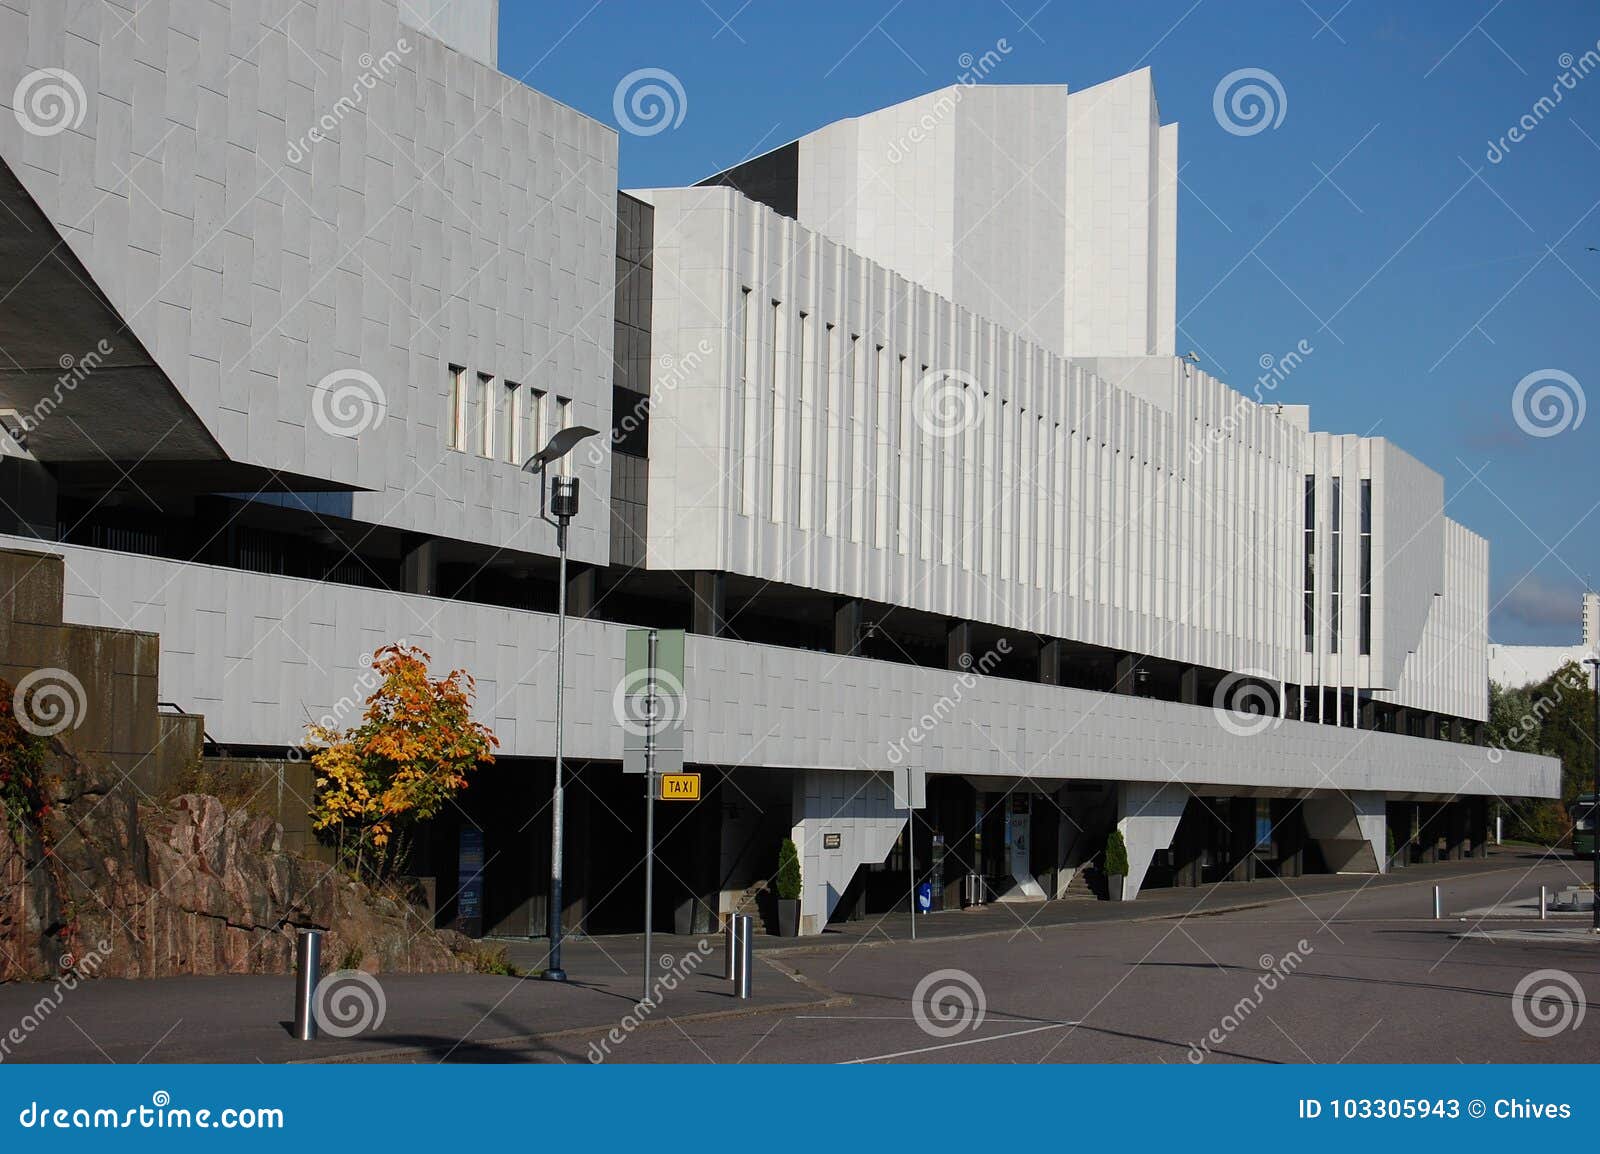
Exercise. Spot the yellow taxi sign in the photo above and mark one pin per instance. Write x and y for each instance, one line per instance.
(680, 787)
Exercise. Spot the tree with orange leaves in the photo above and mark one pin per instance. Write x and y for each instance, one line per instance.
(406, 760)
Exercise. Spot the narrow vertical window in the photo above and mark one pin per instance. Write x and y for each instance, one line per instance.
(1366, 565)
(513, 433)
(458, 407)
(538, 433)
(806, 475)
(486, 403)
(1335, 557)
(1310, 581)
(904, 474)
(745, 422)
(563, 421)
(881, 467)
(828, 392)
(778, 426)
(857, 437)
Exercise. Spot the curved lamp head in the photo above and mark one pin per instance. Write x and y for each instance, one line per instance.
(557, 447)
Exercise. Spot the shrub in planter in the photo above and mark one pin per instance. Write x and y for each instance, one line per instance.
(1116, 864)
(787, 883)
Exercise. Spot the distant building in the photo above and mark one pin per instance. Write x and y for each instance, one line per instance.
(1514, 665)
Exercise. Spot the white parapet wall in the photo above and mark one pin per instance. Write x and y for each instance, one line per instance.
(260, 654)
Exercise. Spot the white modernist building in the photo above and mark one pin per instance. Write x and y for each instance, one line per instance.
(897, 437)
(1516, 665)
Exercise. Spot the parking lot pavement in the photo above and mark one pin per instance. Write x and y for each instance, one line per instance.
(1345, 970)
(1320, 969)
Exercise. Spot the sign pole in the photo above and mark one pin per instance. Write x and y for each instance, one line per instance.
(649, 808)
(911, 864)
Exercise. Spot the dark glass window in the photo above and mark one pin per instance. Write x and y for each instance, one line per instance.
(1310, 580)
(1366, 565)
(1334, 562)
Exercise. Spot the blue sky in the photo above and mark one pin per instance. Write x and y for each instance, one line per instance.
(1428, 278)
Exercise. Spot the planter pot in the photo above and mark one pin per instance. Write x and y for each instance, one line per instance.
(1114, 887)
(788, 918)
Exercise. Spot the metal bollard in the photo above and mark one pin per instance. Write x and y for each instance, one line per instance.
(743, 954)
(307, 964)
(975, 894)
(1438, 909)
(729, 947)
(1543, 899)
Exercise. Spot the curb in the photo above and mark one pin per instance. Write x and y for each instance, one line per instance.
(826, 1000)
(1012, 931)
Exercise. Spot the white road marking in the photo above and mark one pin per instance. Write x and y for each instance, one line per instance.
(952, 1045)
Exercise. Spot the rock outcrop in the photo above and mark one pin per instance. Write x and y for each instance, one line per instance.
(133, 887)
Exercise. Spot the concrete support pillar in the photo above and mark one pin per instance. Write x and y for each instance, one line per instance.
(958, 645)
(1148, 815)
(1189, 685)
(1430, 830)
(847, 621)
(582, 585)
(1124, 680)
(1369, 715)
(710, 614)
(1351, 830)
(1457, 838)
(1402, 721)
(1430, 725)
(1289, 831)
(1241, 817)
(860, 814)
(1050, 662)
(1480, 734)
(1477, 826)
(419, 565)
(27, 498)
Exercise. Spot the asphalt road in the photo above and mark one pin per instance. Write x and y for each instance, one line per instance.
(1355, 976)
(1345, 969)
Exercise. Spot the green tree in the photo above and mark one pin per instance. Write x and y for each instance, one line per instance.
(1553, 717)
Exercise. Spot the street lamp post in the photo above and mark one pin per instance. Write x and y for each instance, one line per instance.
(1594, 793)
(563, 507)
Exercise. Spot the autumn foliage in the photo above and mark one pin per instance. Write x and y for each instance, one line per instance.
(403, 763)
